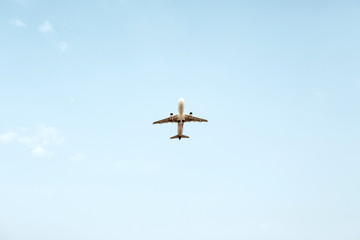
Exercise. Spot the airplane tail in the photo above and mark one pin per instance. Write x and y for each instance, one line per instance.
(179, 137)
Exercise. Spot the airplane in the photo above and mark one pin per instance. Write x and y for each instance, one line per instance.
(180, 119)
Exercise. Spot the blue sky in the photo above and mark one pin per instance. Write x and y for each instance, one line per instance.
(82, 82)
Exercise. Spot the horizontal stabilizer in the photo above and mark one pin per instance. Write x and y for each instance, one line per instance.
(179, 137)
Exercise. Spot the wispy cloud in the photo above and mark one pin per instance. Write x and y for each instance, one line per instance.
(39, 151)
(46, 28)
(63, 46)
(17, 23)
(8, 137)
(40, 141)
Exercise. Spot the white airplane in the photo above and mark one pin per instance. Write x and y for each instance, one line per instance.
(181, 118)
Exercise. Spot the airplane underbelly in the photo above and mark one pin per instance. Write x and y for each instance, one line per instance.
(180, 129)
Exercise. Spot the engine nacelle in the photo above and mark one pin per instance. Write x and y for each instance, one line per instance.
(190, 116)
(171, 116)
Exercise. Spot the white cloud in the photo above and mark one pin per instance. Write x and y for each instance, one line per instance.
(17, 23)
(39, 151)
(72, 99)
(40, 142)
(63, 46)
(8, 137)
(46, 27)
(44, 136)
(48, 30)
(78, 157)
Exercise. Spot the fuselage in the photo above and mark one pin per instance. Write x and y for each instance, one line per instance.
(181, 117)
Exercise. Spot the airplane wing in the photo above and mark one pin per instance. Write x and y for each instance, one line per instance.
(190, 118)
(167, 120)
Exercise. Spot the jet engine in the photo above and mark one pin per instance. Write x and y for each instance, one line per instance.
(171, 116)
